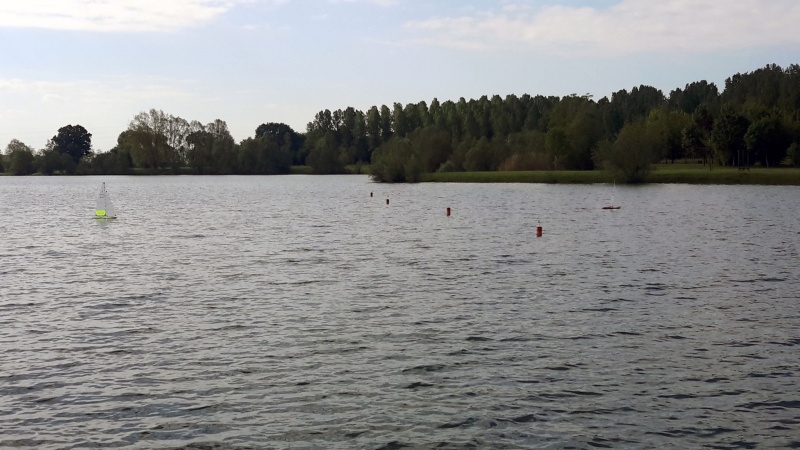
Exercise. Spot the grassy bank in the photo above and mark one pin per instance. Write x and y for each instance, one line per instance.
(662, 173)
(531, 176)
(294, 170)
(353, 169)
(699, 174)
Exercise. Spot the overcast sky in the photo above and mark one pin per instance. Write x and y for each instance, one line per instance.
(98, 63)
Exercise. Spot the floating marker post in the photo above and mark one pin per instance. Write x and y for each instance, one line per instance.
(370, 194)
(539, 231)
(387, 201)
(448, 211)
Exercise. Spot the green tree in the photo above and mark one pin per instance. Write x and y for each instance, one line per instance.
(433, 147)
(728, 137)
(112, 162)
(450, 120)
(424, 114)
(760, 87)
(435, 113)
(501, 117)
(794, 154)
(480, 157)
(413, 116)
(386, 123)
(285, 138)
(224, 152)
(324, 157)
(396, 162)
(176, 131)
(146, 139)
(575, 129)
(360, 143)
(693, 95)
(526, 152)
(74, 141)
(200, 151)
(401, 125)
(263, 156)
(557, 146)
(374, 128)
(627, 107)
(50, 161)
(630, 156)
(20, 158)
(696, 135)
(583, 132)
(767, 141)
(668, 126)
(157, 140)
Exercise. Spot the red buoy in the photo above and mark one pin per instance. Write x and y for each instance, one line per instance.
(448, 212)
(538, 231)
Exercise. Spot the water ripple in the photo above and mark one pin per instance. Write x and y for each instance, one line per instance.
(298, 312)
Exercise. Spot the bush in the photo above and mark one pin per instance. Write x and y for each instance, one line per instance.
(396, 162)
(21, 162)
(630, 156)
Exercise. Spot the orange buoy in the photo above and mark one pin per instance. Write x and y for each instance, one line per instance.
(538, 231)
(448, 212)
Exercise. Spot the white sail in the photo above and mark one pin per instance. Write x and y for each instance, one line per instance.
(104, 208)
(612, 205)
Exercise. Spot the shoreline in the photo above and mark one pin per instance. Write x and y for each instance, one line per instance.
(663, 174)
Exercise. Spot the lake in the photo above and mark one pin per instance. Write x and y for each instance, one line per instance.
(306, 312)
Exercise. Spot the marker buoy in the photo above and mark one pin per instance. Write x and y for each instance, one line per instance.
(370, 194)
(538, 231)
(448, 212)
(387, 201)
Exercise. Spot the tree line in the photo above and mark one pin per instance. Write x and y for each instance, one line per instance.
(755, 120)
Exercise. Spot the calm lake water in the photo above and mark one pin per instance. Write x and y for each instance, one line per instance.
(301, 312)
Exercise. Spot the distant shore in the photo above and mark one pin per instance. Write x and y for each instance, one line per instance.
(678, 173)
(662, 173)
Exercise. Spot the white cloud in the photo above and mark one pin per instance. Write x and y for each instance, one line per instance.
(374, 2)
(132, 89)
(113, 15)
(629, 27)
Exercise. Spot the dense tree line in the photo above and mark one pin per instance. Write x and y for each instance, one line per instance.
(755, 120)
(161, 143)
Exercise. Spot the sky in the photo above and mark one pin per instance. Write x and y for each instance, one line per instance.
(98, 63)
